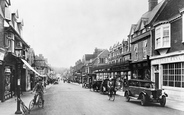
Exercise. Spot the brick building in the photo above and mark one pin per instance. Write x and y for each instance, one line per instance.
(167, 61)
(141, 37)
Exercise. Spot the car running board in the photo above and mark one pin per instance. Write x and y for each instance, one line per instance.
(133, 97)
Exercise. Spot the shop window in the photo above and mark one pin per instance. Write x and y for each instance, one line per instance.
(173, 75)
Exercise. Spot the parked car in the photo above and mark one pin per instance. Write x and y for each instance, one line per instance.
(104, 86)
(145, 91)
(96, 85)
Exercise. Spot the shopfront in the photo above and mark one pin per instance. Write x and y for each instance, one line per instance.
(7, 76)
(141, 70)
(168, 73)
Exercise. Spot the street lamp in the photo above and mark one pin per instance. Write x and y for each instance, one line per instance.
(18, 52)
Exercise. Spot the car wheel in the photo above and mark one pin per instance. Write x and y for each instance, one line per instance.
(163, 101)
(127, 96)
(143, 100)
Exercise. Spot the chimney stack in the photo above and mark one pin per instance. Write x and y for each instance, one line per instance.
(152, 4)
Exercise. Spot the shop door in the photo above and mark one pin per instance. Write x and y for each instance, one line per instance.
(156, 80)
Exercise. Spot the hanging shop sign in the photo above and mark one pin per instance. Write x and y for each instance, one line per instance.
(7, 70)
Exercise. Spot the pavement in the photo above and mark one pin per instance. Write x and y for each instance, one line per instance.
(9, 107)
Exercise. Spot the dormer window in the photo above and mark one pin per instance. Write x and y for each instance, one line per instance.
(162, 36)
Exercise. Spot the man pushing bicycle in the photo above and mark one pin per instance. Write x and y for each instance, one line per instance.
(111, 86)
(39, 89)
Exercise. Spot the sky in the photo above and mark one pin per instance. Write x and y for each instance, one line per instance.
(64, 30)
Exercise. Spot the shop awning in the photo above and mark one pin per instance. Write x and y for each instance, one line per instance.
(27, 64)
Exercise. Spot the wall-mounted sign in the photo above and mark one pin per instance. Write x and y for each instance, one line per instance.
(171, 59)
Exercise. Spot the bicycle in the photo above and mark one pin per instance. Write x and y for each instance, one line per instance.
(36, 101)
(24, 108)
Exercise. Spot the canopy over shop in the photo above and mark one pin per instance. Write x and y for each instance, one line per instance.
(31, 68)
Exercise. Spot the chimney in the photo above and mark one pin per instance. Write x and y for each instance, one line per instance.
(152, 4)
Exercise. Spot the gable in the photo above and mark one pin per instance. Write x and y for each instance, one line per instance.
(104, 54)
(170, 10)
(149, 16)
(132, 30)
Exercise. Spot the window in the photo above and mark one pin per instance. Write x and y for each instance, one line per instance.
(8, 41)
(145, 49)
(166, 41)
(158, 36)
(162, 36)
(136, 51)
(183, 26)
(173, 75)
(102, 60)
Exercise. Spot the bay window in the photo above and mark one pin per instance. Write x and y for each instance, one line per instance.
(162, 36)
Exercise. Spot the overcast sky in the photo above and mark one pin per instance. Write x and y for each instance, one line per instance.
(64, 30)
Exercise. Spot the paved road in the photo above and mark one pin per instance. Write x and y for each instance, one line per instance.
(71, 99)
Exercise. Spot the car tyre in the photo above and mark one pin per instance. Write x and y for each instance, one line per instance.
(143, 100)
(127, 96)
(163, 101)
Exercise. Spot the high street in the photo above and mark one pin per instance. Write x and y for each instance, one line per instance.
(71, 99)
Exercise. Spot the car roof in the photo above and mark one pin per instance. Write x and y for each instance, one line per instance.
(141, 80)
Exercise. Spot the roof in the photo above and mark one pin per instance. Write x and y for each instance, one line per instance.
(101, 55)
(149, 16)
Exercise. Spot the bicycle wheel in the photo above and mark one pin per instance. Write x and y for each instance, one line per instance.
(31, 104)
(40, 103)
(113, 96)
(25, 110)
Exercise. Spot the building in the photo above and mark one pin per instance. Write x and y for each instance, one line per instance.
(167, 60)
(119, 59)
(141, 41)
(100, 60)
(13, 49)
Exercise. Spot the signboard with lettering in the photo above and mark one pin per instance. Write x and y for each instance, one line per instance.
(172, 59)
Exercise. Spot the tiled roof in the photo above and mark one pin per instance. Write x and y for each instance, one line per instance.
(149, 15)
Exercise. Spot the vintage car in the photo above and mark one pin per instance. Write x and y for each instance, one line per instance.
(145, 91)
(96, 85)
